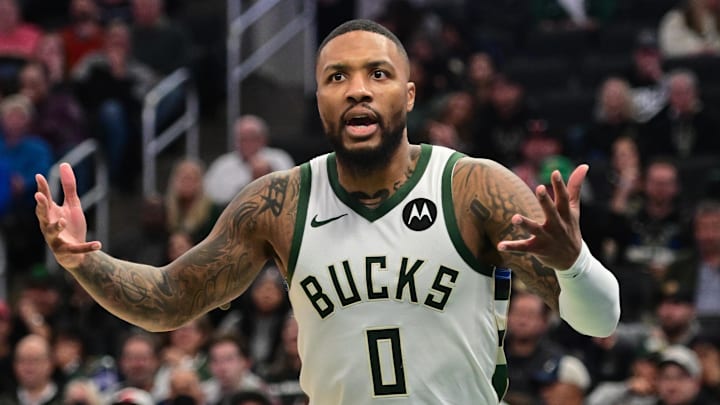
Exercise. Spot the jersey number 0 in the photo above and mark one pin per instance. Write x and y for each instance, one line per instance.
(386, 362)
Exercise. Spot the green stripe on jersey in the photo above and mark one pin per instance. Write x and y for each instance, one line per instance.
(300, 218)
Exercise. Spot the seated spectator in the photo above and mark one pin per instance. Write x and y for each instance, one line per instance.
(186, 349)
(156, 40)
(147, 241)
(260, 318)
(679, 378)
(17, 38)
(458, 111)
(690, 29)
(647, 79)
(248, 398)
(230, 368)
(658, 233)
(58, 118)
(84, 35)
(185, 388)
(699, 273)
(502, 125)
(707, 348)
(33, 367)
(675, 321)
(189, 209)
(686, 128)
(50, 53)
(69, 357)
(614, 118)
(231, 172)
(139, 362)
(283, 374)
(540, 370)
(111, 86)
(638, 389)
(25, 155)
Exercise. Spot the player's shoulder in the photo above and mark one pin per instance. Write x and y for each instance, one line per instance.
(474, 166)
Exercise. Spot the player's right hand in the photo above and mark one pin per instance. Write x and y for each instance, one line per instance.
(63, 226)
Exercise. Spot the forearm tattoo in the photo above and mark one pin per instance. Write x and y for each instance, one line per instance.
(212, 273)
(491, 195)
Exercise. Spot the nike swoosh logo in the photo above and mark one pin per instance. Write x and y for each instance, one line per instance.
(315, 223)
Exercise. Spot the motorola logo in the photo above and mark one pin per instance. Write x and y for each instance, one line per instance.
(419, 214)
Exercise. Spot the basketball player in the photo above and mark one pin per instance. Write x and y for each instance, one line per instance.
(395, 254)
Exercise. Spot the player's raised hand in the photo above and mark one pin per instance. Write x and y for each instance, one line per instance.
(557, 242)
(63, 226)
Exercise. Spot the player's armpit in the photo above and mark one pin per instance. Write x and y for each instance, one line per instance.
(486, 196)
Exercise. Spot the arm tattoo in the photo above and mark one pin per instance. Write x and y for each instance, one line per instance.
(212, 273)
(493, 195)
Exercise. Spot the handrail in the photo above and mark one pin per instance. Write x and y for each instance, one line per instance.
(154, 143)
(96, 197)
(238, 70)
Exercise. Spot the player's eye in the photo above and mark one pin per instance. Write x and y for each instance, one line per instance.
(379, 74)
(336, 77)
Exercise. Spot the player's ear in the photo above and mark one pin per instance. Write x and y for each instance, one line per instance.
(410, 96)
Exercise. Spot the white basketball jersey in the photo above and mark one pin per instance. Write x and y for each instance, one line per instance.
(392, 307)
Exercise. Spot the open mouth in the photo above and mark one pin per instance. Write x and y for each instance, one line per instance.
(361, 125)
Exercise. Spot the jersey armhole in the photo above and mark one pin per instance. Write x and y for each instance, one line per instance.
(452, 223)
(300, 218)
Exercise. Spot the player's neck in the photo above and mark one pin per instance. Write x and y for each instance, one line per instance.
(371, 189)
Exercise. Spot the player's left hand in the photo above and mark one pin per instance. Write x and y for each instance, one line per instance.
(557, 242)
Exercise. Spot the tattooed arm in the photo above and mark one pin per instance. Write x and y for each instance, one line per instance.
(212, 273)
(489, 197)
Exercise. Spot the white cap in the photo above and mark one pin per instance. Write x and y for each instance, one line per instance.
(683, 357)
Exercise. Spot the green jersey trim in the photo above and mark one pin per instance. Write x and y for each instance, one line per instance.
(300, 218)
(373, 214)
(451, 221)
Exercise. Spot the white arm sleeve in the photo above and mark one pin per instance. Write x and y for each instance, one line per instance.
(589, 296)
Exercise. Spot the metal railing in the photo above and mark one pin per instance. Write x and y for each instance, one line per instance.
(238, 70)
(153, 143)
(96, 196)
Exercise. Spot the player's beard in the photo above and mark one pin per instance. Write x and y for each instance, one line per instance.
(363, 161)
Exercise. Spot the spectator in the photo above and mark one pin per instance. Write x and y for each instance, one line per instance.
(156, 40)
(146, 243)
(686, 129)
(186, 349)
(17, 38)
(647, 79)
(50, 53)
(481, 75)
(457, 110)
(260, 319)
(614, 118)
(283, 374)
(111, 86)
(707, 348)
(58, 118)
(230, 368)
(33, 370)
(540, 370)
(638, 389)
(539, 149)
(68, 351)
(679, 378)
(185, 388)
(691, 29)
(38, 304)
(189, 209)
(230, 172)
(700, 273)
(659, 232)
(676, 321)
(85, 34)
(248, 398)
(139, 362)
(178, 243)
(503, 124)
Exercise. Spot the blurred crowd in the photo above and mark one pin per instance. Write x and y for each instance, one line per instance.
(630, 87)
